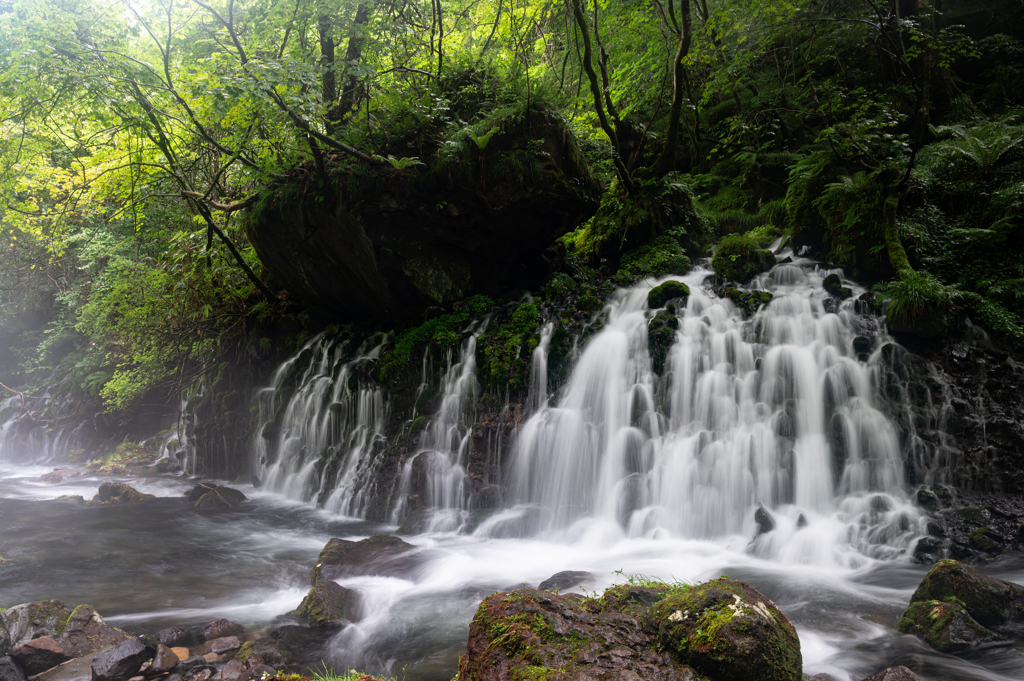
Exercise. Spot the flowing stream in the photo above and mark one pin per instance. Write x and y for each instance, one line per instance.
(780, 415)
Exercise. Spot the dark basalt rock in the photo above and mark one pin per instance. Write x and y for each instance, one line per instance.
(661, 336)
(763, 519)
(86, 631)
(561, 581)
(164, 661)
(634, 633)
(219, 629)
(834, 285)
(173, 636)
(380, 554)
(947, 627)
(38, 655)
(389, 244)
(123, 661)
(208, 495)
(118, 493)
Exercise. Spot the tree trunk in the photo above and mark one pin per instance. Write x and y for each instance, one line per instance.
(351, 94)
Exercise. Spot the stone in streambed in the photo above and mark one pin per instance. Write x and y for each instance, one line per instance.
(123, 661)
(165, 660)
(991, 602)
(232, 670)
(900, 673)
(38, 655)
(562, 581)
(328, 603)
(380, 554)
(188, 668)
(947, 627)
(172, 636)
(219, 629)
(10, 671)
(658, 296)
(727, 630)
(220, 646)
(208, 495)
(764, 521)
(58, 475)
(180, 652)
(86, 631)
(111, 493)
(31, 620)
(257, 673)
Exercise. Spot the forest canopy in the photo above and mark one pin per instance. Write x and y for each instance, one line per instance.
(138, 135)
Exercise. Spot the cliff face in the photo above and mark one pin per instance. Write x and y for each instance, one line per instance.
(391, 243)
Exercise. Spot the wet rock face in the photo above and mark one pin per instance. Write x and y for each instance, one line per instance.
(121, 662)
(86, 631)
(38, 655)
(389, 244)
(947, 627)
(329, 603)
(219, 629)
(632, 633)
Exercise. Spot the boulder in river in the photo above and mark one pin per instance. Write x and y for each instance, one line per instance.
(86, 631)
(328, 603)
(992, 602)
(38, 655)
(380, 554)
(219, 629)
(947, 627)
(208, 495)
(722, 631)
(122, 661)
(899, 673)
(564, 580)
(31, 620)
(118, 493)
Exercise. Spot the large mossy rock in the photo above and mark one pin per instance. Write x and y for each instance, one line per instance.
(31, 620)
(740, 258)
(390, 243)
(947, 627)
(992, 602)
(328, 603)
(208, 495)
(727, 630)
(379, 554)
(633, 633)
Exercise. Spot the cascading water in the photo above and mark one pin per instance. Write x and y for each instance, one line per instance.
(318, 443)
(774, 411)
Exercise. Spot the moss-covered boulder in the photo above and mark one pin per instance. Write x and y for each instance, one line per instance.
(627, 633)
(328, 603)
(661, 335)
(380, 554)
(945, 626)
(834, 286)
(727, 630)
(662, 257)
(740, 258)
(992, 602)
(206, 495)
(111, 493)
(86, 632)
(670, 290)
(748, 302)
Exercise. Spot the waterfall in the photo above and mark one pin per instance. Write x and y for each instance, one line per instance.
(774, 411)
(318, 442)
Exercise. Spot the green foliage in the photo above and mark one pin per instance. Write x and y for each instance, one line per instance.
(764, 235)
(662, 257)
(507, 345)
(439, 334)
(740, 258)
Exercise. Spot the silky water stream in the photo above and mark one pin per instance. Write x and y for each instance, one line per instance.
(621, 470)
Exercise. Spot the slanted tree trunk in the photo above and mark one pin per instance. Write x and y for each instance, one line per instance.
(352, 91)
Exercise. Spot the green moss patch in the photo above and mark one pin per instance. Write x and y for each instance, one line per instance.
(740, 258)
(507, 346)
(670, 290)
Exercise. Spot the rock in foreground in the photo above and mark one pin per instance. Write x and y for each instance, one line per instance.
(722, 631)
(118, 493)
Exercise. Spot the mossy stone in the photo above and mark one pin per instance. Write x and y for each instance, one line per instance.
(990, 601)
(661, 335)
(984, 539)
(740, 258)
(945, 626)
(118, 493)
(834, 285)
(327, 603)
(670, 290)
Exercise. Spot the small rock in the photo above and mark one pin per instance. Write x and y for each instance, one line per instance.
(947, 627)
(220, 646)
(165, 660)
(172, 636)
(38, 655)
(801, 521)
(201, 675)
(257, 673)
(900, 673)
(10, 671)
(121, 662)
(565, 580)
(764, 520)
(328, 603)
(180, 652)
(118, 493)
(232, 670)
(190, 665)
(212, 657)
(219, 629)
(137, 678)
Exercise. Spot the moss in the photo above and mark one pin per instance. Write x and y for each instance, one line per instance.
(945, 626)
(670, 290)
(245, 651)
(417, 425)
(442, 332)
(740, 258)
(52, 610)
(834, 285)
(764, 235)
(125, 456)
(507, 346)
(984, 539)
(660, 258)
(559, 285)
